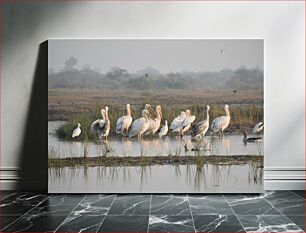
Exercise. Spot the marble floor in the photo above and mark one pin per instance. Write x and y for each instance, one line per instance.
(280, 211)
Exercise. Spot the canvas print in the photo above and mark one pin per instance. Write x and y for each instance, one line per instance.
(155, 116)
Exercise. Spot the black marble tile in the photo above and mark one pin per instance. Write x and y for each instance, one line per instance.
(299, 220)
(81, 222)
(209, 205)
(48, 215)
(21, 202)
(301, 193)
(250, 205)
(7, 220)
(130, 204)
(69, 199)
(266, 223)
(217, 223)
(35, 223)
(170, 205)
(166, 223)
(286, 202)
(58, 205)
(124, 223)
(95, 204)
(5, 194)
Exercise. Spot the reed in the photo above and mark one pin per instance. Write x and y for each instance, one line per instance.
(242, 116)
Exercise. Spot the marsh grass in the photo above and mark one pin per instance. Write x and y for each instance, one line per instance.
(114, 161)
(242, 116)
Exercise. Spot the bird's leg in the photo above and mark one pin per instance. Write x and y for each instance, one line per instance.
(124, 132)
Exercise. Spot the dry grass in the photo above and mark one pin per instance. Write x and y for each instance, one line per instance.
(64, 103)
(83, 106)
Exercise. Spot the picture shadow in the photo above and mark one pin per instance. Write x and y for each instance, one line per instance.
(34, 152)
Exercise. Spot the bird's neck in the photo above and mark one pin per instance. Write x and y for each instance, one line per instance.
(128, 111)
(207, 116)
(158, 115)
(227, 113)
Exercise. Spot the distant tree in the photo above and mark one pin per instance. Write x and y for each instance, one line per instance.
(86, 67)
(70, 64)
(117, 73)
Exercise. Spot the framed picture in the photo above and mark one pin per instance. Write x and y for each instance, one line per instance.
(155, 115)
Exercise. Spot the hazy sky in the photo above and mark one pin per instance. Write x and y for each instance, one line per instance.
(165, 55)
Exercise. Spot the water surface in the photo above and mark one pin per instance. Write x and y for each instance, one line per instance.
(207, 178)
(122, 146)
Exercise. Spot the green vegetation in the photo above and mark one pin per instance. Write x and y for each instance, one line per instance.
(242, 116)
(112, 161)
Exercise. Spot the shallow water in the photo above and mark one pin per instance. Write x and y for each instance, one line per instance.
(121, 146)
(157, 179)
(208, 178)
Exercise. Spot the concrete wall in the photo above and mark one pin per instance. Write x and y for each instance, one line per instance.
(24, 80)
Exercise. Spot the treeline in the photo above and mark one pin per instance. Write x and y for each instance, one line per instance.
(150, 78)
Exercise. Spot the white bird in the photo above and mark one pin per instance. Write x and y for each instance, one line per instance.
(221, 123)
(107, 123)
(177, 122)
(201, 128)
(99, 125)
(77, 131)
(187, 122)
(163, 130)
(154, 123)
(124, 122)
(139, 126)
(257, 128)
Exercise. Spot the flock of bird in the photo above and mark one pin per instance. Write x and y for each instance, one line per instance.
(150, 123)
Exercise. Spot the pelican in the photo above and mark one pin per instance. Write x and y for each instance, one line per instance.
(201, 128)
(257, 128)
(163, 130)
(139, 126)
(187, 122)
(154, 123)
(77, 131)
(99, 125)
(176, 123)
(220, 123)
(107, 123)
(124, 122)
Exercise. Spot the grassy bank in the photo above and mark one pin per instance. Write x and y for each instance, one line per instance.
(155, 160)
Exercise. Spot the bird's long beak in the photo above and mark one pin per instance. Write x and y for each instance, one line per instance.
(151, 112)
(149, 115)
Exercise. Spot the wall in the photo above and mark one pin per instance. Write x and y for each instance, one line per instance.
(23, 73)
